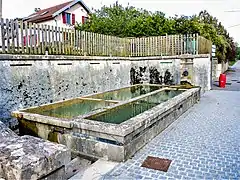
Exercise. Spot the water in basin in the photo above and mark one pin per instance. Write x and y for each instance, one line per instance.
(122, 113)
(71, 109)
(127, 93)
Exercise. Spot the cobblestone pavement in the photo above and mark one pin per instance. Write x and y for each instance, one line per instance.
(233, 79)
(204, 143)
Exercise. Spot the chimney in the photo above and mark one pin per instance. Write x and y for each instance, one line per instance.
(35, 10)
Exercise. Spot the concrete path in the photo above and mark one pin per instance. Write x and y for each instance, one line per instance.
(204, 143)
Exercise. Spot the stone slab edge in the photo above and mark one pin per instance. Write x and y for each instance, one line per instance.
(87, 58)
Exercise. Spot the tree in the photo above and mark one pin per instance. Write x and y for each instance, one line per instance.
(128, 21)
(238, 52)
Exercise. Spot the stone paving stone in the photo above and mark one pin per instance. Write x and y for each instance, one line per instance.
(203, 143)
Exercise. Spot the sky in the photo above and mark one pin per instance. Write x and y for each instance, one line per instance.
(218, 8)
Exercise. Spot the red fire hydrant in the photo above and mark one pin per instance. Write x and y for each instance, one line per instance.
(222, 80)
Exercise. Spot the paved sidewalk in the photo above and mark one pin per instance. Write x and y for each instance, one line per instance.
(203, 143)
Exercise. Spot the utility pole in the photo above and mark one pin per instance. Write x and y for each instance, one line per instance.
(0, 8)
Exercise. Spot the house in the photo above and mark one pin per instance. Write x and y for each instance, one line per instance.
(65, 15)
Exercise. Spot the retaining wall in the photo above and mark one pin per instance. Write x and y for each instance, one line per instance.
(34, 80)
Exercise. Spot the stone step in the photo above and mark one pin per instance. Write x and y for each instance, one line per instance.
(96, 171)
(77, 165)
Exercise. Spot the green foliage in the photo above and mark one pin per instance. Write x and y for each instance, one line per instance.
(238, 53)
(128, 21)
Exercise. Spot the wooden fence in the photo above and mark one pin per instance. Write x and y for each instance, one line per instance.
(168, 45)
(17, 37)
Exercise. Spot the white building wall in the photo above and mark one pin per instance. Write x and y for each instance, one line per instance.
(77, 9)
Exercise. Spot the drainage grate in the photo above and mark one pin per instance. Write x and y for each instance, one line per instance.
(238, 82)
(156, 163)
(234, 80)
(229, 84)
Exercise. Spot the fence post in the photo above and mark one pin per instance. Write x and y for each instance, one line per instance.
(8, 35)
(45, 40)
(17, 35)
(102, 39)
(83, 34)
(73, 40)
(30, 38)
(11, 36)
(38, 40)
(42, 43)
(148, 46)
(79, 45)
(3, 35)
(49, 39)
(35, 39)
(93, 43)
(53, 40)
(97, 44)
(194, 44)
(166, 45)
(197, 40)
(57, 41)
(26, 37)
(106, 42)
(21, 37)
(176, 44)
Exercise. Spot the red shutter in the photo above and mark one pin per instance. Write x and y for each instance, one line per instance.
(83, 18)
(64, 18)
(73, 19)
(24, 40)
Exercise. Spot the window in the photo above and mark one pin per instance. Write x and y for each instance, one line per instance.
(68, 15)
(84, 19)
(68, 18)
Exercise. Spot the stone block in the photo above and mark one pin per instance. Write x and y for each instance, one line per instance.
(28, 157)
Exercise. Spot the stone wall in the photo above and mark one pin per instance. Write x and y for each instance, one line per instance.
(219, 68)
(202, 73)
(33, 80)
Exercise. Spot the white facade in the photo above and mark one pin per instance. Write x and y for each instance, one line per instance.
(77, 9)
(31, 38)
